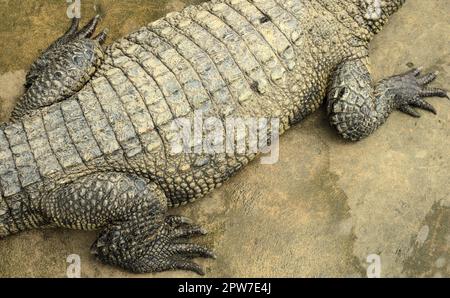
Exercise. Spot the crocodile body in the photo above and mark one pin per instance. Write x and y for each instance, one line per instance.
(99, 155)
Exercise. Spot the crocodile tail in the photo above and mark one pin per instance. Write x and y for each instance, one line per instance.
(5, 224)
(16, 213)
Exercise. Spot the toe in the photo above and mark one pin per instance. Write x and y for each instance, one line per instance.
(430, 92)
(89, 28)
(414, 72)
(176, 221)
(101, 37)
(73, 27)
(427, 79)
(409, 110)
(188, 231)
(192, 250)
(422, 104)
(186, 265)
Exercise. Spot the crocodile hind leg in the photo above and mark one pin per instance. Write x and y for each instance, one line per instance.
(71, 34)
(136, 233)
(63, 69)
(356, 108)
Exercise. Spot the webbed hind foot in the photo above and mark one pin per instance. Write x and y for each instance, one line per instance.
(63, 69)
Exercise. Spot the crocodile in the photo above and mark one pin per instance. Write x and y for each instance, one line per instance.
(89, 144)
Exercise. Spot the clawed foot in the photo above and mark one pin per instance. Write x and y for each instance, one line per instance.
(75, 33)
(63, 69)
(166, 249)
(170, 251)
(411, 88)
(179, 253)
(72, 34)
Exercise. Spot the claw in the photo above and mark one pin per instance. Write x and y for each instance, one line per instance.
(187, 265)
(422, 104)
(89, 28)
(73, 27)
(430, 92)
(414, 71)
(67, 37)
(409, 110)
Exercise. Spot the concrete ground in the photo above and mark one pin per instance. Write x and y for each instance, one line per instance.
(323, 208)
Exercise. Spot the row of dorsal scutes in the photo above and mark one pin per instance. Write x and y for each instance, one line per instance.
(18, 168)
(43, 145)
(260, 50)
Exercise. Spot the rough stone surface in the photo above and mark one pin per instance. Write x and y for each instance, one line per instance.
(325, 206)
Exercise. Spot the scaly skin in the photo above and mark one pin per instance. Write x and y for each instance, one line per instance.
(94, 151)
(63, 69)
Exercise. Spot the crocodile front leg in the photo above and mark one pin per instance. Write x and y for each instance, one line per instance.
(63, 69)
(356, 108)
(136, 233)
